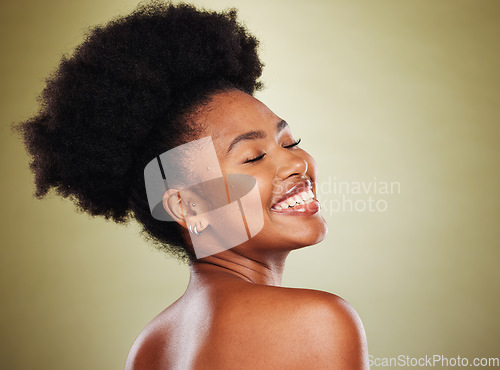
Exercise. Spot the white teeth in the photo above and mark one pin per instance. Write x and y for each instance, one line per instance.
(304, 197)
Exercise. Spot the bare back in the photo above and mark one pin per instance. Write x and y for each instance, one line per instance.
(231, 323)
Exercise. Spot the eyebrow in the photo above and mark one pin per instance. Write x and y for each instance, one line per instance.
(253, 135)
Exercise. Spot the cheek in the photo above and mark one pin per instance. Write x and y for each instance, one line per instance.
(265, 184)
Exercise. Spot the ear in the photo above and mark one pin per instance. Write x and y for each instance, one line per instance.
(180, 204)
(173, 205)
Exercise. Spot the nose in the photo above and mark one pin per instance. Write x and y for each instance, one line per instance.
(290, 164)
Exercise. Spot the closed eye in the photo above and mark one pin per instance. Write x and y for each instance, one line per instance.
(255, 159)
(295, 143)
(251, 160)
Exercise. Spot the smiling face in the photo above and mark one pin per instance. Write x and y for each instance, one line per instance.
(250, 139)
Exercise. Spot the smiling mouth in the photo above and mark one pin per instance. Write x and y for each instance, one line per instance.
(295, 200)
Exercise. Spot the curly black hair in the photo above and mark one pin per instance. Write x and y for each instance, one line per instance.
(122, 98)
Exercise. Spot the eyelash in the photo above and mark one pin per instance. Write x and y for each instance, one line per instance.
(295, 143)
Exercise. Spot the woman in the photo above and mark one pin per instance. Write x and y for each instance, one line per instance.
(154, 118)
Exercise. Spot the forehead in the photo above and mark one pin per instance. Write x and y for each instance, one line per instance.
(232, 113)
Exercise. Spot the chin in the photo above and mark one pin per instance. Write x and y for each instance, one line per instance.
(312, 238)
(321, 235)
(308, 231)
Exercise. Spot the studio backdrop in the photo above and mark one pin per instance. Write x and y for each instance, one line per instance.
(398, 101)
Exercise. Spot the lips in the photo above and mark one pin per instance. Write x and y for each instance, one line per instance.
(297, 200)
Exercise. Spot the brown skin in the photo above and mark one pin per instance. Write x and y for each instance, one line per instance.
(234, 314)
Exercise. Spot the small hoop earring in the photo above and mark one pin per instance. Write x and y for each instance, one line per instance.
(195, 231)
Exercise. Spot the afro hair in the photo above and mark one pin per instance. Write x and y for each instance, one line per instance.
(122, 98)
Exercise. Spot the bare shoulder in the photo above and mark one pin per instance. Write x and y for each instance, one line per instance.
(255, 326)
(307, 328)
(147, 352)
(334, 328)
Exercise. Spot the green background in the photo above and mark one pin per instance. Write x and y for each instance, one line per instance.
(404, 91)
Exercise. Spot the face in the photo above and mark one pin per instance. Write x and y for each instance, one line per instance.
(250, 139)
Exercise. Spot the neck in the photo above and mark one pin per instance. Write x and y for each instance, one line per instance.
(263, 269)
